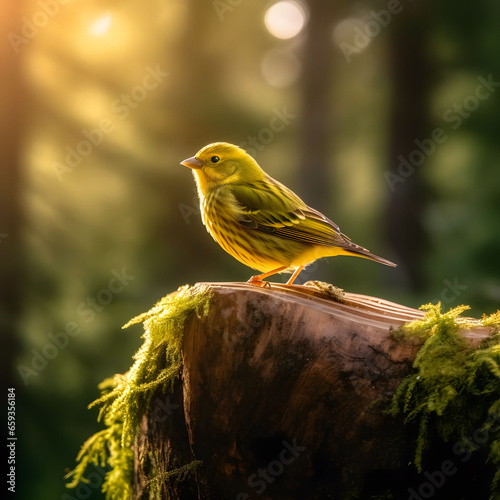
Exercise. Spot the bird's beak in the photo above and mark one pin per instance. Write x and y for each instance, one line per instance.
(192, 162)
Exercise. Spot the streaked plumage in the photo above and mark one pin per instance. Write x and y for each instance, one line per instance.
(258, 220)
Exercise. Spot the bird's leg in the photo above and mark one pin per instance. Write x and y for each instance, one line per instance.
(294, 275)
(257, 280)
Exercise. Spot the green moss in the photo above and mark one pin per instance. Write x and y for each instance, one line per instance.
(126, 398)
(454, 386)
(179, 473)
(104, 450)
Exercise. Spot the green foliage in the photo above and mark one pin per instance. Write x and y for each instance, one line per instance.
(126, 398)
(454, 387)
(103, 449)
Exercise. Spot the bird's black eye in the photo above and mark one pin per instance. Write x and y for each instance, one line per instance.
(214, 159)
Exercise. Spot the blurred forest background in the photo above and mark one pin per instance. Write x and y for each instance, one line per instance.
(383, 114)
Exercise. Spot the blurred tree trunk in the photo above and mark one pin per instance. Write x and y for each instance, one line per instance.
(317, 120)
(409, 121)
(197, 114)
(12, 105)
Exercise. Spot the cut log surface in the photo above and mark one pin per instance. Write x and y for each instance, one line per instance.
(281, 397)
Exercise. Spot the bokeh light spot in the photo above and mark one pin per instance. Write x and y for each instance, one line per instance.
(100, 25)
(347, 31)
(285, 19)
(280, 68)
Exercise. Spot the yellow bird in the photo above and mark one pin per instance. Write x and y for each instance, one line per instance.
(258, 220)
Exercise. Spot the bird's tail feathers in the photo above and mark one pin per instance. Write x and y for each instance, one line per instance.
(365, 254)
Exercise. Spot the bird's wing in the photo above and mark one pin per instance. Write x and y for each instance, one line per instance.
(274, 209)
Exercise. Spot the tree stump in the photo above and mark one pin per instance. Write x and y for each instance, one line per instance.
(280, 397)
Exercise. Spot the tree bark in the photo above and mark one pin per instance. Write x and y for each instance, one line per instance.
(281, 397)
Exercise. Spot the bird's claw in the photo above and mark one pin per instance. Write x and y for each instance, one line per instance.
(255, 281)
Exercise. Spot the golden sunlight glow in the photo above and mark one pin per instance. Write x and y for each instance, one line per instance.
(100, 25)
(285, 19)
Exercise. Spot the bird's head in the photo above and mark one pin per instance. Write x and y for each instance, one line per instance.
(222, 163)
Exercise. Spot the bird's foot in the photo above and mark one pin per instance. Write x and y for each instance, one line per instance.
(256, 281)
